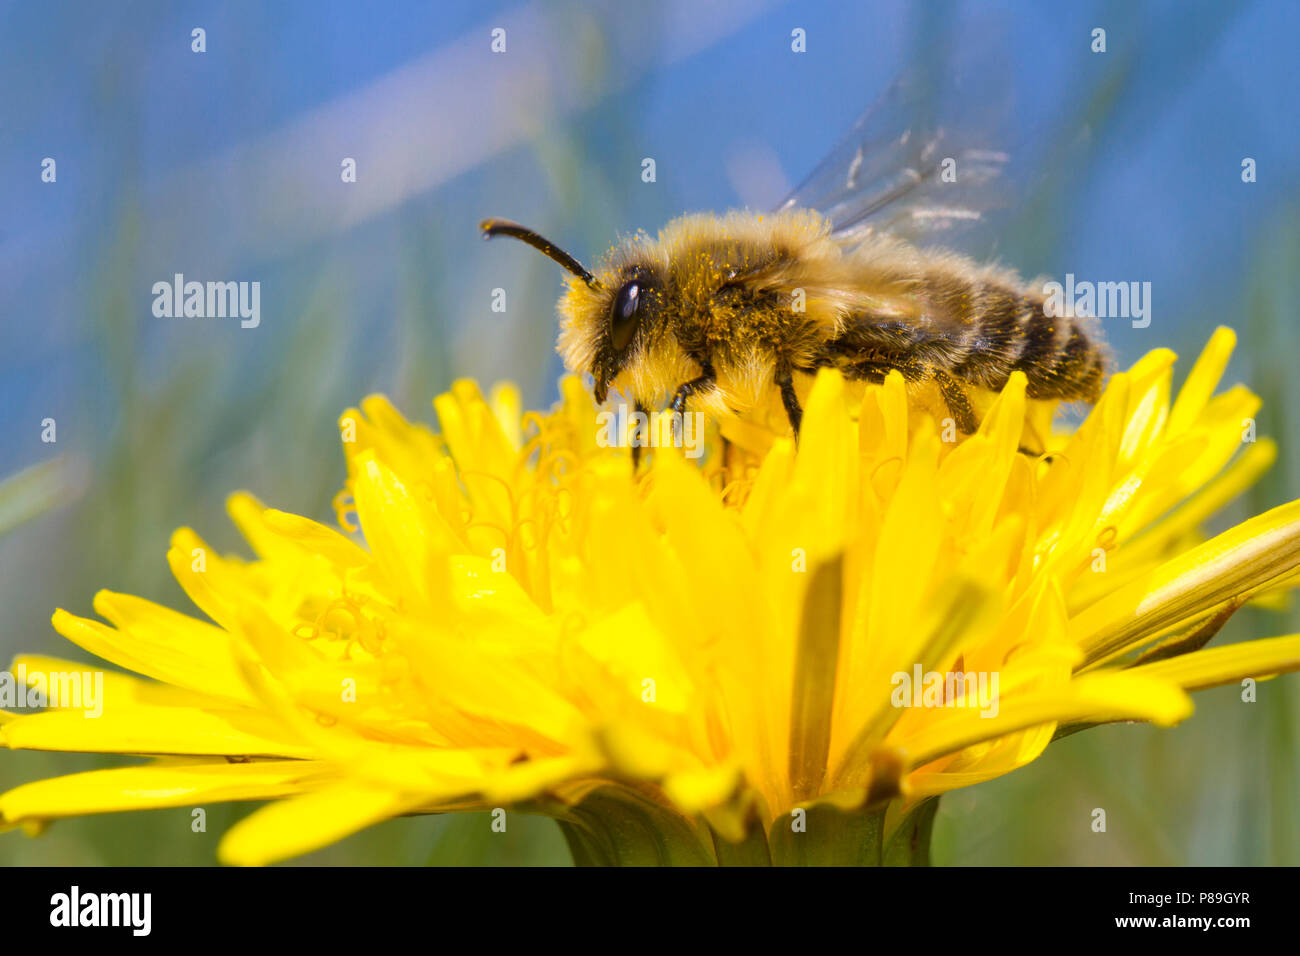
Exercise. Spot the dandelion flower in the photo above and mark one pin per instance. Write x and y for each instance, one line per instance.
(693, 664)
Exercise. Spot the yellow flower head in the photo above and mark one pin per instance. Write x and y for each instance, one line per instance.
(697, 652)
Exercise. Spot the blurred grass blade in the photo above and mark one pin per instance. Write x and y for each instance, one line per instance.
(38, 489)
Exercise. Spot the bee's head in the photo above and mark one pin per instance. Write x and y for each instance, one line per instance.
(607, 319)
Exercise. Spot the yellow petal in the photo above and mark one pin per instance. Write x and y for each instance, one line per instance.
(157, 642)
(1130, 696)
(142, 729)
(1241, 560)
(308, 822)
(1201, 381)
(160, 784)
(1210, 667)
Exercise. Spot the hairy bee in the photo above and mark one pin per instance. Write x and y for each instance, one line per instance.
(718, 311)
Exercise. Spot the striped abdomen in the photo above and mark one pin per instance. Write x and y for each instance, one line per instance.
(979, 332)
(1060, 356)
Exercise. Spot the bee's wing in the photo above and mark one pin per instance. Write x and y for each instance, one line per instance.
(924, 162)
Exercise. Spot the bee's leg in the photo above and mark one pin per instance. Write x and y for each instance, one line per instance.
(790, 399)
(687, 389)
(954, 396)
(636, 438)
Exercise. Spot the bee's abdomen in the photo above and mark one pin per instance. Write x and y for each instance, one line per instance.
(1074, 370)
(978, 330)
(1061, 358)
(1011, 332)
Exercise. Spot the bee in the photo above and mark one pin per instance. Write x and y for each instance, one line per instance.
(720, 311)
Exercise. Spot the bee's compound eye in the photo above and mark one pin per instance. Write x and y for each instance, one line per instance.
(623, 321)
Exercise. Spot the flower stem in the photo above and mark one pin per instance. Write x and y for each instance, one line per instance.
(615, 826)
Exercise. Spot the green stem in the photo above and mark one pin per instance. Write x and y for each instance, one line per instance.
(616, 826)
(909, 842)
(826, 836)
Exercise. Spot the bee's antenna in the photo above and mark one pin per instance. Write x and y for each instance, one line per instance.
(504, 227)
